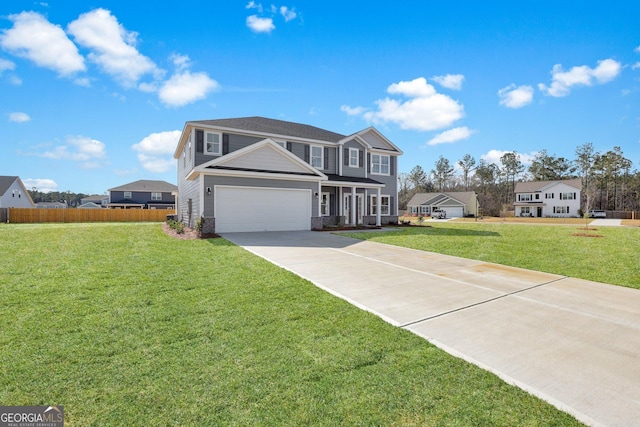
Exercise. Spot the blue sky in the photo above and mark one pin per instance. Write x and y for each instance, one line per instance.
(95, 94)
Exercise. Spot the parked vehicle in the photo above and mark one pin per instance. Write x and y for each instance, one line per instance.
(597, 214)
(439, 214)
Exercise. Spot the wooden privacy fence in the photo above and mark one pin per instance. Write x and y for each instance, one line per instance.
(37, 215)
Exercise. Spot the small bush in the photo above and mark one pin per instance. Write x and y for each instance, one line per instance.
(176, 225)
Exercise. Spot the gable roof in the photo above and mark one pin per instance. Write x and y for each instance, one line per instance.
(5, 183)
(462, 197)
(147, 185)
(534, 186)
(274, 127)
(265, 157)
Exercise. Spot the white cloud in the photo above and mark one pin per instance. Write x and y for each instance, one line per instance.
(260, 25)
(186, 87)
(515, 97)
(155, 151)
(19, 117)
(45, 185)
(353, 111)
(493, 156)
(288, 14)
(425, 110)
(450, 81)
(254, 5)
(181, 62)
(36, 39)
(89, 152)
(113, 47)
(451, 135)
(562, 81)
(6, 65)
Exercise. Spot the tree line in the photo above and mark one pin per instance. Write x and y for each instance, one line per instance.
(609, 181)
(72, 199)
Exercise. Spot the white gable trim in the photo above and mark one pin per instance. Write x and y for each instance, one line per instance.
(307, 172)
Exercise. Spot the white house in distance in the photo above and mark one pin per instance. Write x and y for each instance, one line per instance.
(548, 198)
(456, 204)
(13, 193)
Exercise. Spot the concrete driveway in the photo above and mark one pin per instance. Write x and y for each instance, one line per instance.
(572, 342)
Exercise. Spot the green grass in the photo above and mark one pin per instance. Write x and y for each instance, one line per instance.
(125, 326)
(612, 258)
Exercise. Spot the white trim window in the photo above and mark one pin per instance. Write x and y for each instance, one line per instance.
(317, 157)
(128, 195)
(561, 209)
(325, 204)
(524, 197)
(380, 164)
(213, 143)
(354, 158)
(385, 203)
(567, 196)
(156, 196)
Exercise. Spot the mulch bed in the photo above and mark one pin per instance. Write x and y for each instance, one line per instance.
(189, 233)
(587, 234)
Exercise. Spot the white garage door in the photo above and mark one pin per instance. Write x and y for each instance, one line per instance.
(261, 209)
(453, 212)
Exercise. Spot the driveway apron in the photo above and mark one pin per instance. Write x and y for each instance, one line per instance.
(571, 342)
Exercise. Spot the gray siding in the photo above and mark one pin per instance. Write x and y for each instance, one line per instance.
(189, 190)
(360, 171)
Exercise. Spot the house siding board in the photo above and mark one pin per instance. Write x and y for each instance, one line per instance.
(360, 171)
(189, 190)
(212, 181)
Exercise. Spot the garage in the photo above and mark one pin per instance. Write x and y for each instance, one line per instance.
(240, 209)
(453, 211)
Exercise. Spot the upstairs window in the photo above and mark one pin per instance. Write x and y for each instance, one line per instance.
(379, 164)
(567, 196)
(127, 195)
(213, 143)
(354, 158)
(524, 197)
(156, 196)
(317, 156)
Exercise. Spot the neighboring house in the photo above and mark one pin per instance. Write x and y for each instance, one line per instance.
(98, 201)
(52, 205)
(260, 174)
(455, 204)
(13, 193)
(548, 198)
(143, 194)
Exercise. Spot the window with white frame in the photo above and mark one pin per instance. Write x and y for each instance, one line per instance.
(384, 205)
(561, 209)
(317, 157)
(325, 204)
(213, 143)
(567, 196)
(156, 196)
(525, 210)
(127, 195)
(354, 158)
(379, 164)
(283, 144)
(524, 197)
(548, 195)
(424, 210)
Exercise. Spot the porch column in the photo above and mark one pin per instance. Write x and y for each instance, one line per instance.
(354, 218)
(378, 206)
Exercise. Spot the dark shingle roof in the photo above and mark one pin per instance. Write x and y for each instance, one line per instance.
(147, 185)
(275, 127)
(5, 183)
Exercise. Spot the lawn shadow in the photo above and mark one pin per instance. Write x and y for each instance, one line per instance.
(442, 231)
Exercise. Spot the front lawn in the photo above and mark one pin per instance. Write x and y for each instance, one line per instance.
(126, 326)
(611, 258)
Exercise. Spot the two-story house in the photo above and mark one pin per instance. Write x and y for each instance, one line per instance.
(260, 174)
(143, 194)
(548, 198)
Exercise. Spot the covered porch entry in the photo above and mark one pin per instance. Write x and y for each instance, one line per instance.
(350, 201)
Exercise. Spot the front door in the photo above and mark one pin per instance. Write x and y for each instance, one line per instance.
(539, 212)
(359, 208)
